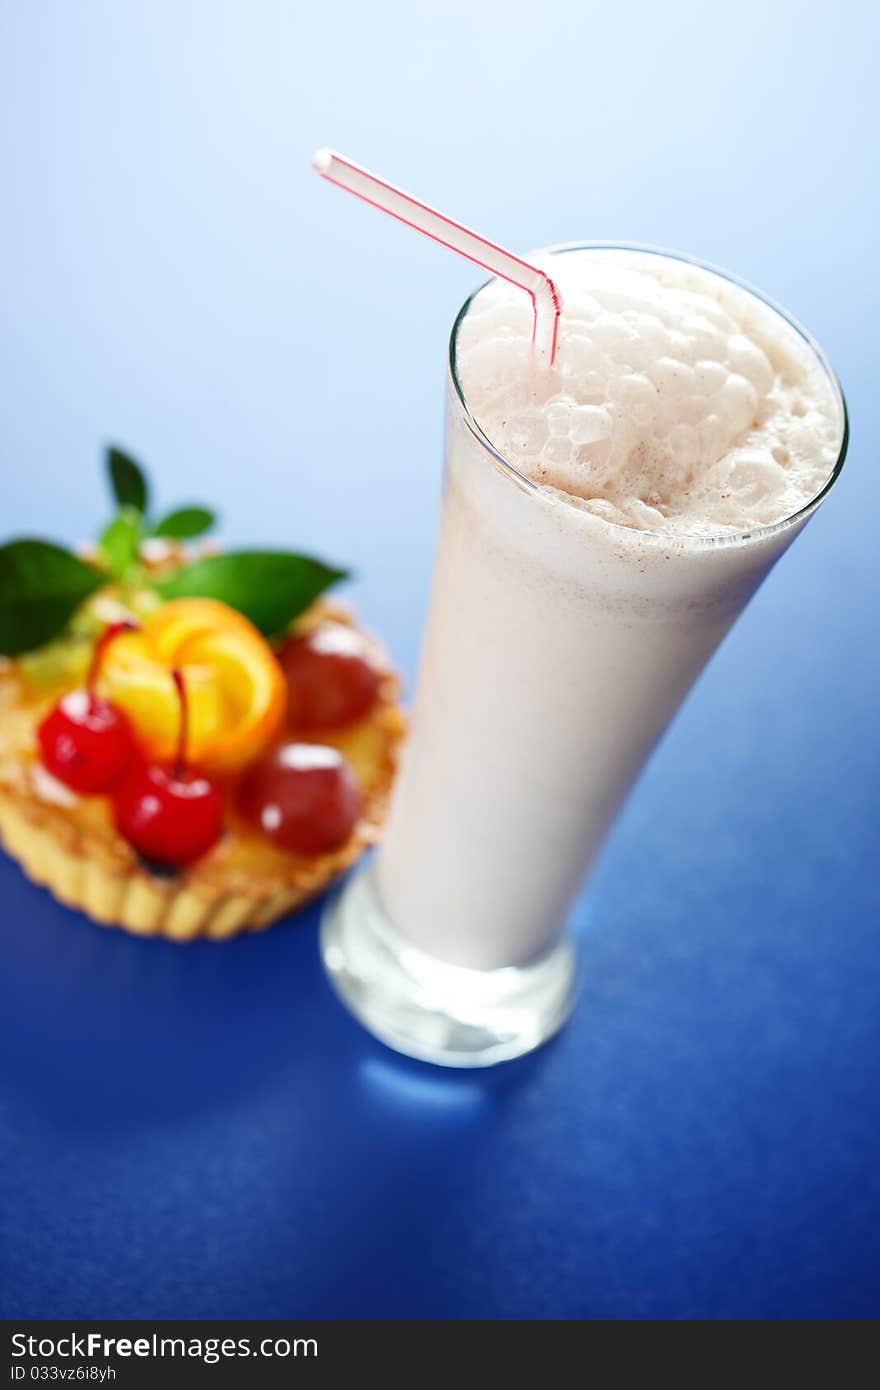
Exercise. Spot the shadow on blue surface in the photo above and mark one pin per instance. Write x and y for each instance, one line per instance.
(217, 1137)
(114, 1034)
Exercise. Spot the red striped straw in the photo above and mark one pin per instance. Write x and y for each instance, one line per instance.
(436, 225)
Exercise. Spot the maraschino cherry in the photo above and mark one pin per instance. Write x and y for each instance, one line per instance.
(170, 814)
(303, 796)
(85, 741)
(330, 678)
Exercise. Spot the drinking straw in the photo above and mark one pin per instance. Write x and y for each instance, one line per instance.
(382, 195)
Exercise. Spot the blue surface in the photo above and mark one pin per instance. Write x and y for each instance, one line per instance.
(202, 1131)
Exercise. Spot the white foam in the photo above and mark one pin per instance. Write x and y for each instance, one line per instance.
(679, 402)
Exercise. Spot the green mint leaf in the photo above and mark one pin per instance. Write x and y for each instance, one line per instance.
(184, 523)
(271, 587)
(120, 541)
(41, 586)
(127, 480)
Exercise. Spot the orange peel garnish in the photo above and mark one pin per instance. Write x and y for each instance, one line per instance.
(236, 692)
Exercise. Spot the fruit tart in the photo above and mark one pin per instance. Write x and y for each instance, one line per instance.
(192, 744)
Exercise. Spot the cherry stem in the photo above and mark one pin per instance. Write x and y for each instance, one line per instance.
(183, 734)
(107, 636)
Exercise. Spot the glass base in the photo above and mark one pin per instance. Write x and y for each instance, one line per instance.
(426, 1008)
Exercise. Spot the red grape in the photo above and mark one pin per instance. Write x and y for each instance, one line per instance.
(303, 797)
(330, 678)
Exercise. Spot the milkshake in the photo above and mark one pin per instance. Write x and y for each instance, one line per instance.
(605, 520)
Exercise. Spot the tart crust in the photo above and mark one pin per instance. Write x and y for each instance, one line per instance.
(244, 883)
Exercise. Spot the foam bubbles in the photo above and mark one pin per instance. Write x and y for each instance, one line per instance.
(589, 423)
(679, 402)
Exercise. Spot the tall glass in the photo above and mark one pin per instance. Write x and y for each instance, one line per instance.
(558, 648)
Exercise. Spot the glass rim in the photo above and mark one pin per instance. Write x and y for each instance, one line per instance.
(757, 533)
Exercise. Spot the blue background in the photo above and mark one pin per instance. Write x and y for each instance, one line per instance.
(202, 1131)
